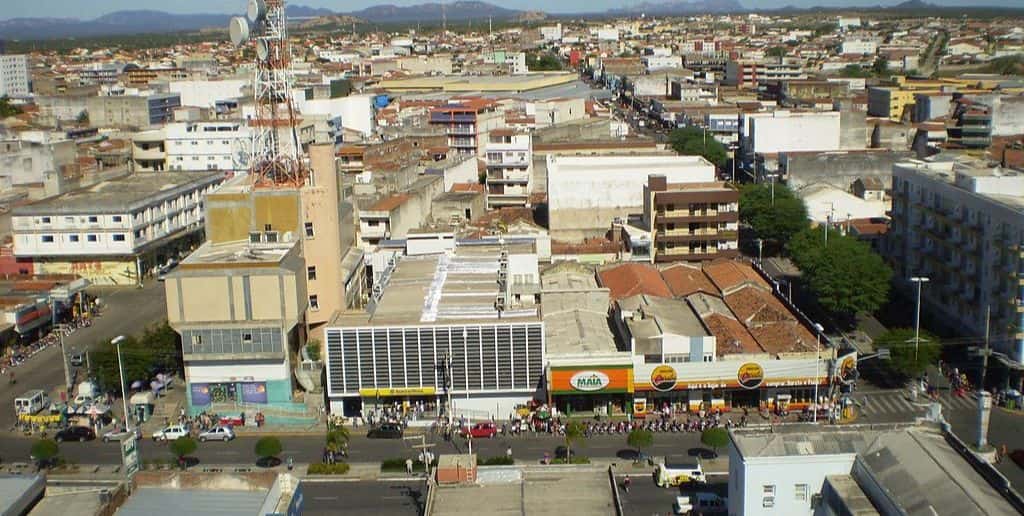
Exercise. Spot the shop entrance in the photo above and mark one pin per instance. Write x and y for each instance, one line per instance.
(598, 405)
(746, 398)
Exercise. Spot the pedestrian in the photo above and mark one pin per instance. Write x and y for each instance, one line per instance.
(625, 483)
(408, 466)
(508, 452)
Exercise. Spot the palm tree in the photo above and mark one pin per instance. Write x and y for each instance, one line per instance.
(574, 432)
(337, 439)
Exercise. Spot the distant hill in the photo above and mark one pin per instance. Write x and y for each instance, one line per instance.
(683, 7)
(454, 11)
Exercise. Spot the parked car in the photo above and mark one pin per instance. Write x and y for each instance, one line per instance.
(481, 430)
(83, 400)
(703, 453)
(386, 431)
(171, 433)
(217, 433)
(77, 359)
(117, 434)
(75, 433)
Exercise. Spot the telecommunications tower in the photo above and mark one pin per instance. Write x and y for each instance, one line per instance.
(275, 154)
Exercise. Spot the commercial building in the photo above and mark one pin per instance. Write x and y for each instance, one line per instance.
(587, 193)
(137, 111)
(193, 146)
(691, 221)
(745, 73)
(803, 469)
(961, 224)
(240, 310)
(509, 168)
(27, 164)
(14, 75)
(463, 326)
(117, 231)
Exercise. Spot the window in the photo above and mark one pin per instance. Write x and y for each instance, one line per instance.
(47, 239)
(119, 237)
(800, 492)
(255, 237)
(197, 340)
(271, 237)
(92, 238)
(314, 303)
(246, 338)
(73, 238)
(768, 497)
(309, 229)
(116, 218)
(46, 220)
(311, 272)
(93, 219)
(69, 220)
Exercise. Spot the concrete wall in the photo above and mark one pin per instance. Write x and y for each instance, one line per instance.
(782, 131)
(748, 477)
(320, 207)
(206, 93)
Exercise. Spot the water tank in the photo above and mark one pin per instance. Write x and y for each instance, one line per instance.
(381, 101)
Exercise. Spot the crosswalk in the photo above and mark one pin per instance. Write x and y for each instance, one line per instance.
(891, 404)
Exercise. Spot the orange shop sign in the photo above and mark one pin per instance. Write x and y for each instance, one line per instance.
(591, 380)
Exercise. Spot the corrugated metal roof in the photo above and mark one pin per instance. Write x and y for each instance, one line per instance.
(193, 502)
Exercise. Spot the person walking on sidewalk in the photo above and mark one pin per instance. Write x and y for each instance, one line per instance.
(508, 452)
(408, 466)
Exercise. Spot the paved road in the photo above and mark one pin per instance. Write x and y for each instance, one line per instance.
(891, 406)
(128, 311)
(366, 498)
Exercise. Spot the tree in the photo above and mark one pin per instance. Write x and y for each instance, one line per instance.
(44, 451)
(640, 438)
(574, 432)
(692, 141)
(156, 350)
(880, 66)
(83, 117)
(777, 52)
(337, 439)
(845, 273)
(715, 437)
(775, 218)
(182, 447)
(313, 349)
(268, 448)
(545, 62)
(900, 342)
(7, 109)
(853, 71)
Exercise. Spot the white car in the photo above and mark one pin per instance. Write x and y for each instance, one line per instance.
(220, 433)
(171, 433)
(117, 434)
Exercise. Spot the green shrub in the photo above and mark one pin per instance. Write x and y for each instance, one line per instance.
(499, 460)
(576, 459)
(397, 465)
(338, 468)
(268, 447)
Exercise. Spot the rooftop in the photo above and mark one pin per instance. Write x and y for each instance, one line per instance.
(556, 493)
(147, 501)
(123, 194)
(236, 254)
(629, 279)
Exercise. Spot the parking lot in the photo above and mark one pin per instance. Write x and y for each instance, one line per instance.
(363, 498)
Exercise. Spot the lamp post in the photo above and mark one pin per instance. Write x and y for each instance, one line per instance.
(817, 369)
(120, 366)
(917, 314)
(60, 329)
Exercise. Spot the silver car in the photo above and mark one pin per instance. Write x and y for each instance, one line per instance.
(219, 433)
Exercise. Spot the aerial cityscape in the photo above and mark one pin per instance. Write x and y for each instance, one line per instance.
(687, 257)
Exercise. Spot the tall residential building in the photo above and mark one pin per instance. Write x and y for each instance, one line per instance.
(961, 224)
(14, 77)
(691, 221)
(192, 146)
(509, 168)
(467, 123)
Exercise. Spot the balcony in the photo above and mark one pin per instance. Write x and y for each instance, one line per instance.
(696, 216)
(468, 131)
(508, 163)
(682, 235)
(450, 118)
(498, 178)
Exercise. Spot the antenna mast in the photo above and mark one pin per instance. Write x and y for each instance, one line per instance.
(275, 155)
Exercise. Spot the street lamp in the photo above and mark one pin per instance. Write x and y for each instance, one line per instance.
(818, 329)
(120, 366)
(917, 314)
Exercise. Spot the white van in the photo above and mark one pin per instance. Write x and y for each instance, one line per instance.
(31, 402)
(675, 471)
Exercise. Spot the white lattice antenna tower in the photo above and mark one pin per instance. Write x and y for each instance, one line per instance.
(275, 154)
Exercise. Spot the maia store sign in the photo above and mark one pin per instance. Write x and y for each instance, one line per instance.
(589, 381)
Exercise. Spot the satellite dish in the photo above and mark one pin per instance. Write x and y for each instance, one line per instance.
(238, 28)
(257, 10)
(262, 49)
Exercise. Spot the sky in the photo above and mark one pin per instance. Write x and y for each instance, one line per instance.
(88, 9)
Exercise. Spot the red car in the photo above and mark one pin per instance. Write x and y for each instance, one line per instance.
(479, 430)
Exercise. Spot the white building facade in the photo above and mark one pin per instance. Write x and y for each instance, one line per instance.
(14, 76)
(509, 168)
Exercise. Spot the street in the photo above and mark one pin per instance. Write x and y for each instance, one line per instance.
(126, 311)
(367, 498)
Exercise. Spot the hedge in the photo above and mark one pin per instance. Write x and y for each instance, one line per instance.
(398, 465)
(576, 459)
(338, 468)
(498, 460)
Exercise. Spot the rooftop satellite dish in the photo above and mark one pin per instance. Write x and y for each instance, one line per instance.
(238, 28)
(257, 10)
(262, 49)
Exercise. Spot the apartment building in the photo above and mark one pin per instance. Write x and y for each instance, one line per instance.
(748, 73)
(14, 76)
(192, 146)
(139, 111)
(115, 231)
(691, 221)
(961, 224)
(466, 123)
(509, 168)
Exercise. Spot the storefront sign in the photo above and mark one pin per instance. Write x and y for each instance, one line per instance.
(663, 378)
(255, 392)
(846, 367)
(589, 381)
(750, 375)
(398, 391)
(200, 394)
(639, 407)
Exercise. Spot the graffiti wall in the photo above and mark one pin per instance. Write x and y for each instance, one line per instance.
(98, 272)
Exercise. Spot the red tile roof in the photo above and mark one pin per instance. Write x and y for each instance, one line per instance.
(684, 279)
(630, 279)
(731, 336)
(769, 321)
(389, 203)
(729, 274)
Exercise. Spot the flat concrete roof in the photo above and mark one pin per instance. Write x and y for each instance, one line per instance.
(566, 492)
(240, 253)
(464, 84)
(148, 501)
(121, 195)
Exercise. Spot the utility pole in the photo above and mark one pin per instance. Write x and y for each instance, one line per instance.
(987, 351)
(917, 314)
